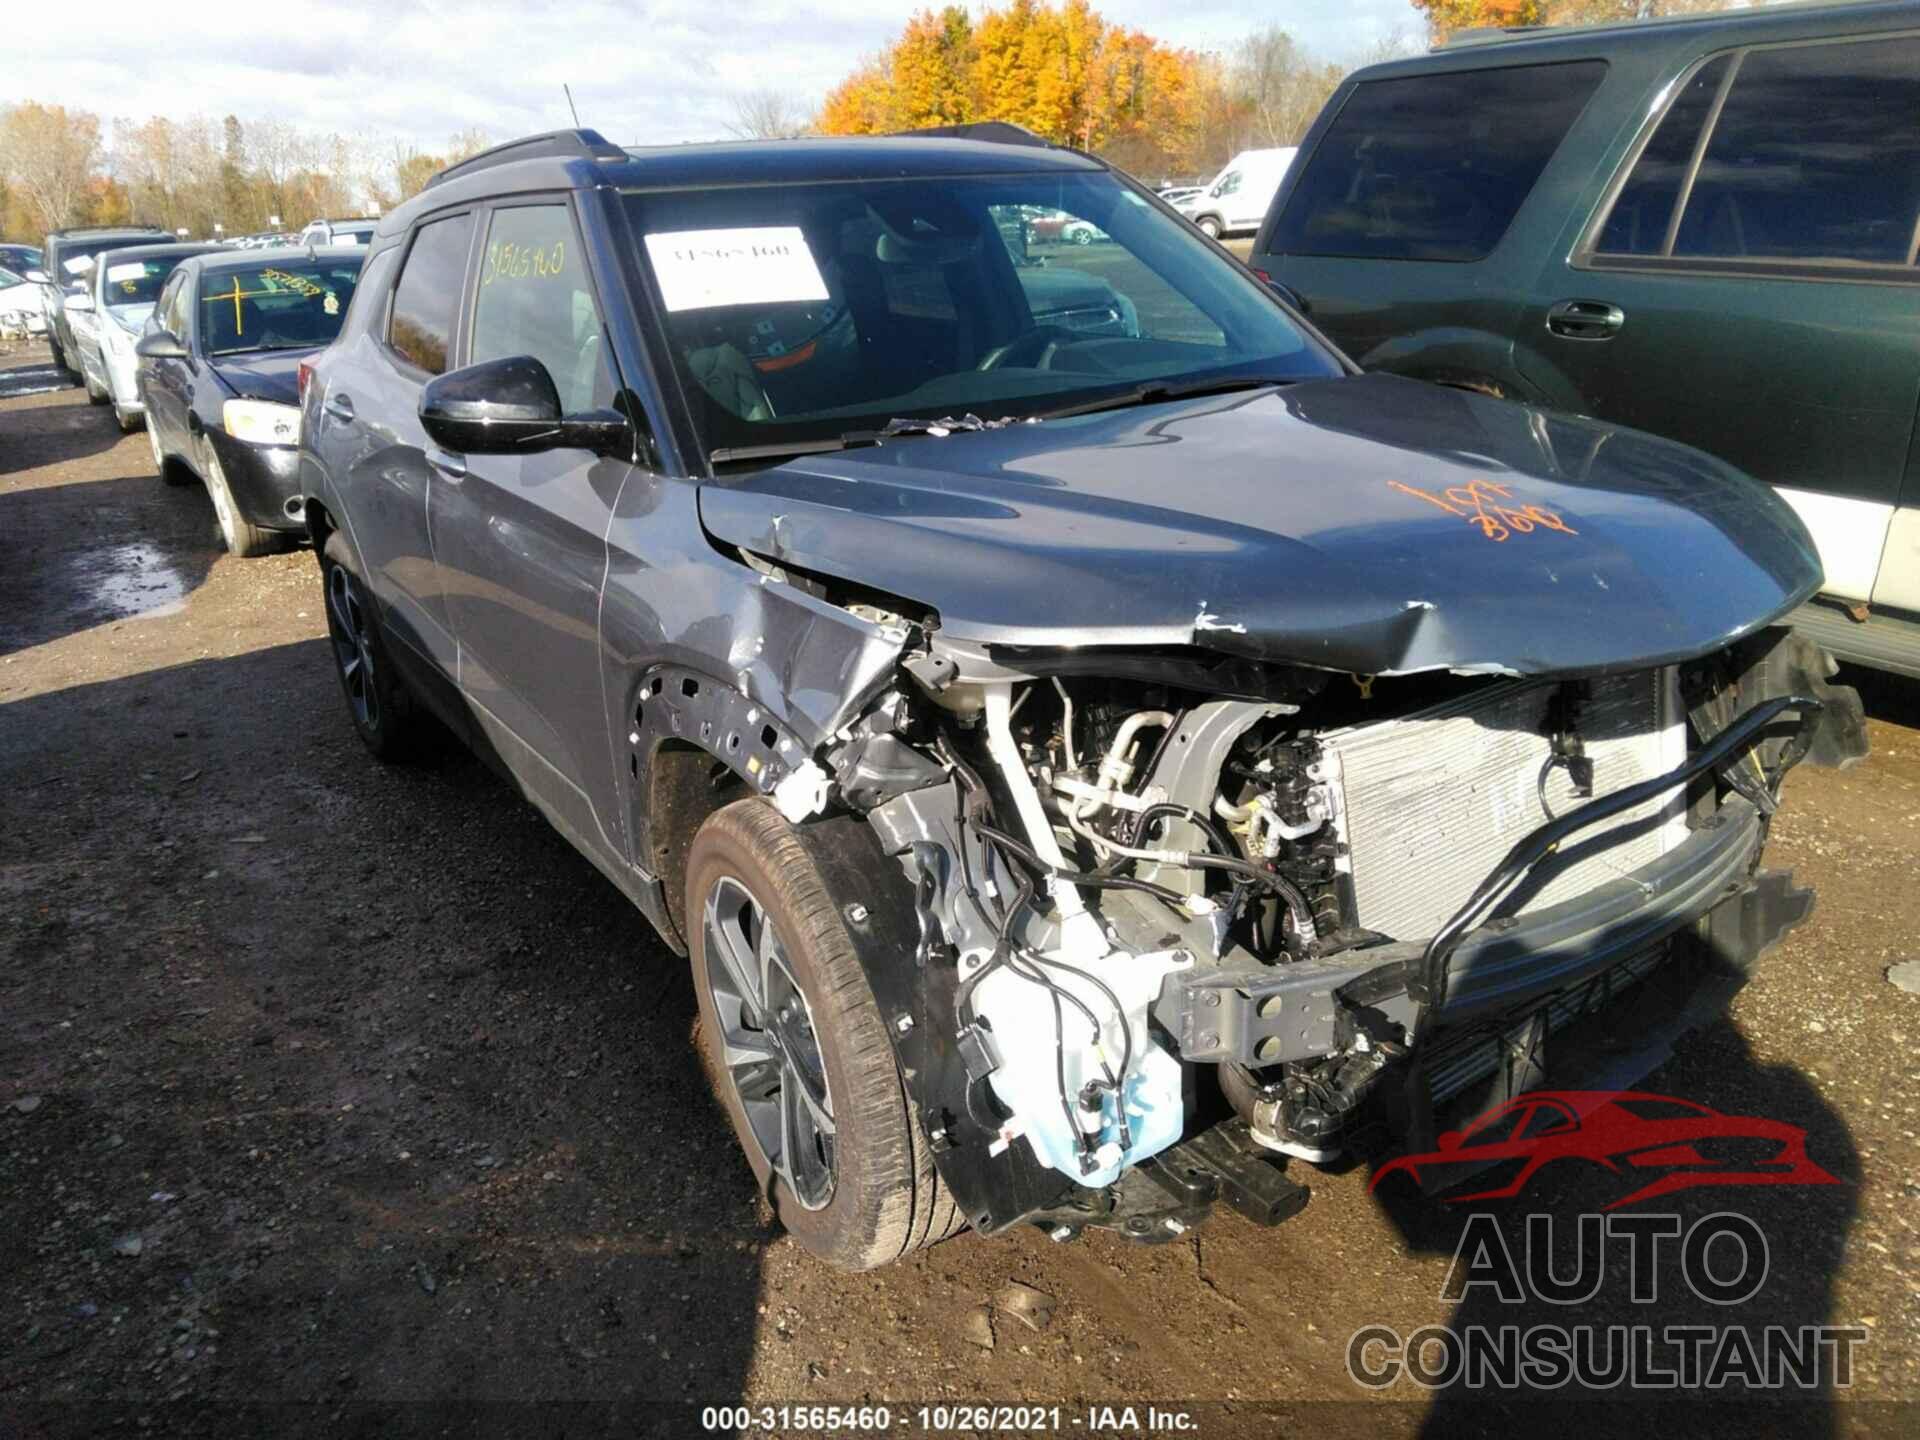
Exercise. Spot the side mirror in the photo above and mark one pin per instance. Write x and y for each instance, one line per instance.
(79, 304)
(502, 406)
(160, 345)
(36, 275)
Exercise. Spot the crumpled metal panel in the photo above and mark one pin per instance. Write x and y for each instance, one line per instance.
(1370, 523)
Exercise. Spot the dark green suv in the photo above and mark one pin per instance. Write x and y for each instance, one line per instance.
(1706, 228)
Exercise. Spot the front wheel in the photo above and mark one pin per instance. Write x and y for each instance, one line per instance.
(1210, 226)
(243, 538)
(795, 1046)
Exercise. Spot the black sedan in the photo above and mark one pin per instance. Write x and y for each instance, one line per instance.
(218, 373)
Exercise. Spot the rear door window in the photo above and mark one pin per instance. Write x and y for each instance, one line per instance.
(1815, 156)
(427, 297)
(1433, 167)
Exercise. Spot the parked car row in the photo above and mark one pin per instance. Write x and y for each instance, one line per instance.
(201, 343)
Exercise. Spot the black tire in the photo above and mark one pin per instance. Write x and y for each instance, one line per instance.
(383, 713)
(59, 355)
(1210, 226)
(95, 395)
(169, 474)
(244, 539)
(886, 1199)
(128, 423)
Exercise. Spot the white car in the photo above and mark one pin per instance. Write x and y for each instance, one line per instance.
(23, 309)
(108, 320)
(1236, 200)
(1081, 232)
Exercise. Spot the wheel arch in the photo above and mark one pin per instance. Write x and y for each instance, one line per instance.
(1461, 356)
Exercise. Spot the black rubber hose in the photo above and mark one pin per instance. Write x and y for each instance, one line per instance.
(1215, 837)
(1079, 877)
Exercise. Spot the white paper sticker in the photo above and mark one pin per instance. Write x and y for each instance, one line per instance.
(78, 265)
(135, 271)
(701, 269)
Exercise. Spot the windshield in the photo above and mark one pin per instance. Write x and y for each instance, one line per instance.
(76, 263)
(135, 282)
(287, 305)
(801, 312)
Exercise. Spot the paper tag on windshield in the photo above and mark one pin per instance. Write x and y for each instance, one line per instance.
(117, 273)
(703, 269)
(78, 265)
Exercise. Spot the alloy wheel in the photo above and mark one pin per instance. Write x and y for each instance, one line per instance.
(769, 1050)
(349, 624)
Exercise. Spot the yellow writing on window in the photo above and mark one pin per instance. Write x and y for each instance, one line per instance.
(299, 284)
(508, 261)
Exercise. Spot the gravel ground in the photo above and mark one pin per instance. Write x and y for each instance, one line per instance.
(341, 1085)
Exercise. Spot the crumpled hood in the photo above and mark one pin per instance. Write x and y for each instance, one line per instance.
(1371, 524)
(265, 375)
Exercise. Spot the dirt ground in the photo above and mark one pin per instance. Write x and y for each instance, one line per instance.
(327, 1083)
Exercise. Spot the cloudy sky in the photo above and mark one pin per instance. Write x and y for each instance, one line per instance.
(424, 69)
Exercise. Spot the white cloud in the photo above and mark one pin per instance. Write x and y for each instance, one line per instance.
(420, 70)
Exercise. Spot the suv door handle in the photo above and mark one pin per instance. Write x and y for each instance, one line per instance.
(1586, 319)
(451, 466)
(340, 407)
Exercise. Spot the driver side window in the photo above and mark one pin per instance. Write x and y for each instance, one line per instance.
(534, 299)
(1229, 184)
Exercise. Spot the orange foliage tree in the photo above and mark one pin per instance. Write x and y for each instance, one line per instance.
(1061, 70)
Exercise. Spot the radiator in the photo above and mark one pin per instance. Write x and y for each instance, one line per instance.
(1428, 804)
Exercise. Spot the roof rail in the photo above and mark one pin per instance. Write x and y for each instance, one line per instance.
(563, 144)
(1494, 34)
(993, 132)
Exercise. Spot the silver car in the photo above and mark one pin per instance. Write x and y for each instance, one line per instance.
(106, 322)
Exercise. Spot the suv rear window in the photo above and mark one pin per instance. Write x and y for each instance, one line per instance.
(1432, 167)
(1816, 156)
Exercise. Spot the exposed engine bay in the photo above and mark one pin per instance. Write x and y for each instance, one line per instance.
(1121, 880)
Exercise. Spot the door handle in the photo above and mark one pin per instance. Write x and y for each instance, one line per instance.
(340, 407)
(451, 466)
(1586, 320)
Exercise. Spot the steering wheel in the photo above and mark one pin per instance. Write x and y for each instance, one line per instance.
(1033, 348)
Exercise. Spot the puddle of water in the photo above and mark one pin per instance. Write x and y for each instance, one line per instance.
(133, 581)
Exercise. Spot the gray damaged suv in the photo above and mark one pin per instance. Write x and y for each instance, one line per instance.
(1089, 766)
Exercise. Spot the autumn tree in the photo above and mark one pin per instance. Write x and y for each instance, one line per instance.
(1058, 69)
(1446, 16)
(47, 156)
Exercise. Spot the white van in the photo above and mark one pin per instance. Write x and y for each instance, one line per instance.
(1236, 200)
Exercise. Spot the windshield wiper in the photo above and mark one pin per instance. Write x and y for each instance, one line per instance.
(896, 429)
(1154, 392)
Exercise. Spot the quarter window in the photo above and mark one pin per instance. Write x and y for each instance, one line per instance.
(1638, 223)
(534, 299)
(1433, 167)
(427, 296)
(1815, 156)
